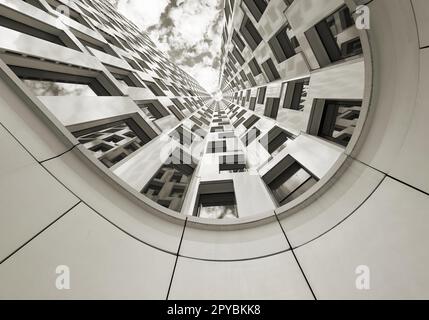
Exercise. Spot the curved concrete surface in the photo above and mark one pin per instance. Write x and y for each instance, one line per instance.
(57, 210)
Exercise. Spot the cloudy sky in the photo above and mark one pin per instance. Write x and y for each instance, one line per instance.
(188, 31)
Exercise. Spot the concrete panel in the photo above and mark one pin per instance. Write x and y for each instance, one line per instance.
(104, 263)
(276, 277)
(388, 234)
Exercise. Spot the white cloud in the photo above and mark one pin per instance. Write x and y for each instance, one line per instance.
(144, 13)
(207, 76)
(193, 23)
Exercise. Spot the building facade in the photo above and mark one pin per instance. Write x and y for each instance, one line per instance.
(311, 164)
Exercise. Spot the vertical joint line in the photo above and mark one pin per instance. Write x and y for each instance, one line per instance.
(177, 258)
(296, 258)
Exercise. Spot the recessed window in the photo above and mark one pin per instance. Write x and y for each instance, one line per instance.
(232, 163)
(275, 139)
(296, 94)
(330, 39)
(31, 31)
(250, 122)
(272, 108)
(54, 88)
(183, 136)
(254, 67)
(257, 7)
(281, 45)
(71, 13)
(250, 33)
(238, 56)
(334, 120)
(216, 200)
(113, 142)
(154, 88)
(250, 136)
(270, 70)
(238, 41)
(261, 95)
(216, 146)
(252, 104)
(170, 184)
(48, 83)
(95, 44)
(217, 129)
(226, 135)
(153, 109)
(126, 78)
(177, 113)
(288, 180)
(178, 104)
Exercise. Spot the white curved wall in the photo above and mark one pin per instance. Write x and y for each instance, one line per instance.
(57, 210)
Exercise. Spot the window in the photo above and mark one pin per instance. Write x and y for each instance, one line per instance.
(334, 120)
(71, 13)
(36, 3)
(250, 33)
(35, 32)
(261, 95)
(95, 44)
(48, 83)
(257, 7)
(154, 88)
(272, 108)
(113, 142)
(250, 122)
(226, 135)
(178, 104)
(216, 200)
(296, 94)
(252, 104)
(153, 109)
(238, 41)
(238, 56)
(270, 70)
(217, 129)
(330, 42)
(183, 136)
(275, 139)
(288, 180)
(281, 45)
(197, 121)
(254, 67)
(251, 136)
(216, 146)
(125, 77)
(170, 184)
(251, 79)
(238, 122)
(232, 163)
(177, 113)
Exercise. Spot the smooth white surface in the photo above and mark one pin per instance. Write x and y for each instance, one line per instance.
(276, 277)
(411, 164)
(234, 245)
(82, 178)
(388, 234)
(345, 195)
(104, 263)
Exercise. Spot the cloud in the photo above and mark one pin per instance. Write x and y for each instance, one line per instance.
(188, 31)
(144, 13)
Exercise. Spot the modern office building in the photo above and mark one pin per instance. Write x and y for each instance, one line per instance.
(305, 177)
